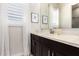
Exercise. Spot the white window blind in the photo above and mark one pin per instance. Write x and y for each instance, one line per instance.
(15, 12)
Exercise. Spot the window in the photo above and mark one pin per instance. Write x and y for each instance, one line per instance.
(54, 19)
(15, 12)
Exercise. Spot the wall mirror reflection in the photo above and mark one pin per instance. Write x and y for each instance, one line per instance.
(75, 16)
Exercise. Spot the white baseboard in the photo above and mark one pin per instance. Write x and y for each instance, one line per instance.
(19, 54)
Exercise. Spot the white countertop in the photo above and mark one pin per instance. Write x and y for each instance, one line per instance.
(72, 40)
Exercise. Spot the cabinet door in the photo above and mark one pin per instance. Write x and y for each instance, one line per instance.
(37, 48)
(44, 50)
(57, 53)
(44, 46)
(33, 45)
(40, 46)
(65, 50)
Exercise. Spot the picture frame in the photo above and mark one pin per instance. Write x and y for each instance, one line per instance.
(34, 18)
(45, 19)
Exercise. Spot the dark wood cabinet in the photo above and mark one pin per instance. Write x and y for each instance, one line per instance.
(41, 46)
(35, 45)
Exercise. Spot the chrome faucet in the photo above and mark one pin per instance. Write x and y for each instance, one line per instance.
(51, 31)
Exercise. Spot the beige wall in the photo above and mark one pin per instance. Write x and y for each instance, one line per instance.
(35, 8)
(43, 11)
(40, 9)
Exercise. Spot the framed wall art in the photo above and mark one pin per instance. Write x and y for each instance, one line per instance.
(34, 18)
(44, 19)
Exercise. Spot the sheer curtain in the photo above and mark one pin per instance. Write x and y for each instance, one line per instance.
(14, 29)
(4, 38)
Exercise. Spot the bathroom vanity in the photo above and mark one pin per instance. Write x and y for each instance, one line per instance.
(46, 44)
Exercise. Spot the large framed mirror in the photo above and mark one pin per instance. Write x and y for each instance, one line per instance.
(75, 16)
